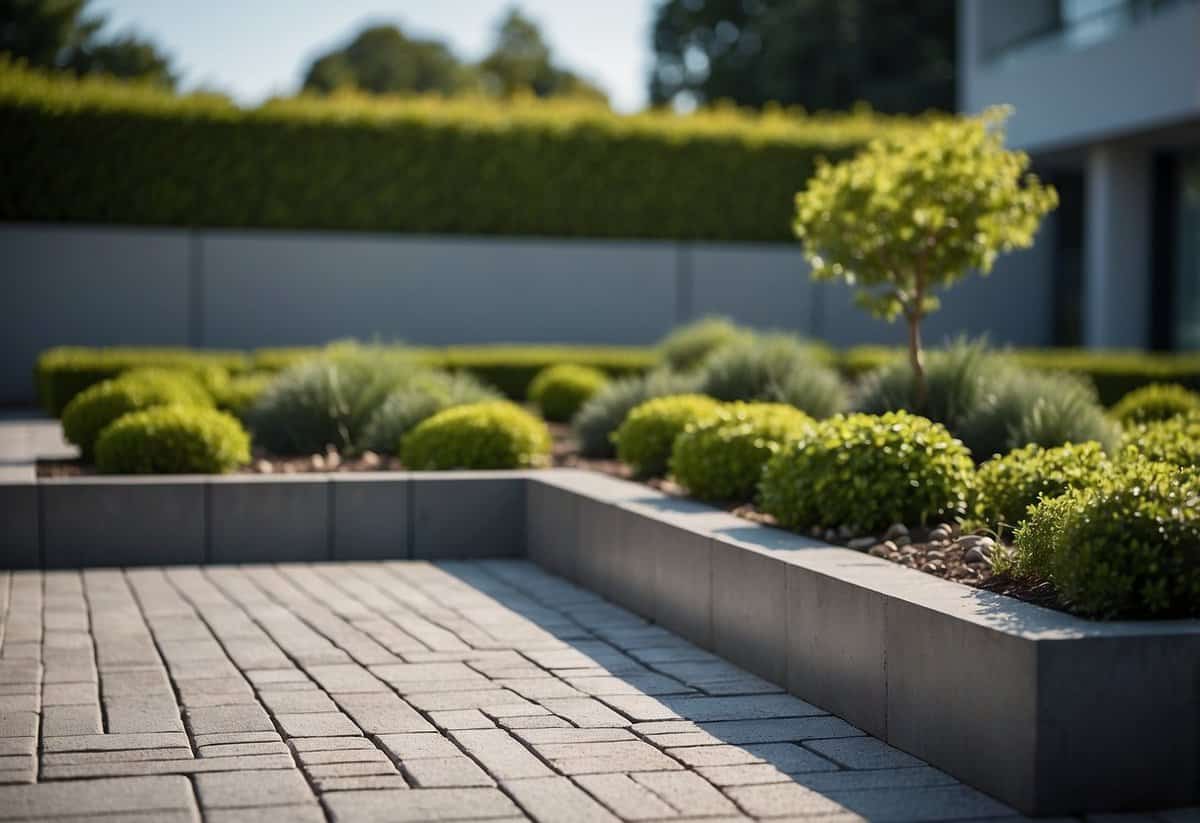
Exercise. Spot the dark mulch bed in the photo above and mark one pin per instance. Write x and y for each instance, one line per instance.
(946, 557)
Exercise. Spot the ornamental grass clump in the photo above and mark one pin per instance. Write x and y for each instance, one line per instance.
(645, 439)
(173, 440)
(865, 472)
(1175, 440)
(601, 415)
(687, 347)
(1157, 401)
(420, 398)
(91, 411)
(776, 369)
(1007, 486)
(493, 435)
(560, 391)
(1127, 546)
(911, 214)
(722, 458)
(956, 381)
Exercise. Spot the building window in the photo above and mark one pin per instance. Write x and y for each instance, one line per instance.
(1075, 24)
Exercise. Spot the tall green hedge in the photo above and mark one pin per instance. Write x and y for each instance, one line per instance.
(98, 150)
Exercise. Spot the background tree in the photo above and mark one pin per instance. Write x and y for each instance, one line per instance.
(896, 55)
(383, 60)
(521, 60)
(57, 34)
(915, 212)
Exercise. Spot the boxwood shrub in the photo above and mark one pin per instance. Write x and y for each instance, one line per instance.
(645, 439)
(1157, 401)
(560, 391)
(1007, 486)
(1175, 440)
(95, 408)
(495, 435)
(866, 472)
(173, 440)
(722, 458)
(1127, 546)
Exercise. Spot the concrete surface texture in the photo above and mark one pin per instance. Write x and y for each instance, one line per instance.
(407, 691)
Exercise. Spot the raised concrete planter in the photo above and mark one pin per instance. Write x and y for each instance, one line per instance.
(1048, 712)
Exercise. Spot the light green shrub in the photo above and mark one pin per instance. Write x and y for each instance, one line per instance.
(1127, 546)
(495, 435)
(1175, 440)
(238, 394)
(600, 416)
(92, 410)
(722, 457)
(774, 368)
(1007, 486)
(1157, 401)
(560, 391)
(419, 399)
(173, 440)
(688, 346)
(645, 439)
(866, 472)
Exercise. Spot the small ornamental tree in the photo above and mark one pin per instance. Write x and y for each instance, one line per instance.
(915, 212)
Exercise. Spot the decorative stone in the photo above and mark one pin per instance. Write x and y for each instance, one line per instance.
(861, 544)
(895, 530)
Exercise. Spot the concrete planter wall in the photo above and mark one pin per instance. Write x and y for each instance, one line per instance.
(1048, 712)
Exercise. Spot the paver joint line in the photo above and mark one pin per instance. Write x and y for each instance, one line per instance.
(457, 690)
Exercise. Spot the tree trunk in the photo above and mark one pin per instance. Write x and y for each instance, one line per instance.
(916, 359)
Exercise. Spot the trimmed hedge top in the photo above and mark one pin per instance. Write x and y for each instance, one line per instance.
(98, 150)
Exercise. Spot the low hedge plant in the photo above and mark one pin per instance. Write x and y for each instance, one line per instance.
(560, 391)
(512, 369)
(95, 408)
(173, 440)
(1007, 486)
(688, 346)
(1175, 440)
(1157, 401)
(721, 458)
(866, 472)
(646, 437)
(494, 435)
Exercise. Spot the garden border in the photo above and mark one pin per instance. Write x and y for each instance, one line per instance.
(1048, 712)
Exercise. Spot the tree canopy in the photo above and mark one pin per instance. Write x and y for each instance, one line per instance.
(58, 34)
(895, 55)
(384, 60)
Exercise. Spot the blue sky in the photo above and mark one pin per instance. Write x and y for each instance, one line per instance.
(254, 48)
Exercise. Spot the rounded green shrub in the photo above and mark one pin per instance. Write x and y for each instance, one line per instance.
(1175, 440)
(93, 409)
(173, 440)
(722, 457)
(774, 368)
(687, 347)
(238, 394)
(1128, 546)
(1020, 406)
(1157, 401)
(421, 398)
(495, 435)
(1007, 486)
(866, 472)
(600, 416)
(559, 391)
(194, 381)
(645, 439)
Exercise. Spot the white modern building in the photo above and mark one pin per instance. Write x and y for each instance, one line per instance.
(1107, 101)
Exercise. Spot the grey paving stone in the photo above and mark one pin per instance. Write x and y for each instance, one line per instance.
(96, 797)
(111, 742)
(442, 772)
(864, 753)
(21, 724)
(14, 776)
(556, 798)
(536, 688)
(18, 745)
(406, 747)
(16, 762)
(121, 755)
(415, 806)
(321, 724)
(445, 700)
(548, 721)
(784, 800)
(20, 703)
(346, 677)
(774, 731)
(236, 737)
(69, 694)
(881, 779)
(382, 713)
(237, 749)
(137, 715)
(228, 719)
(745, 775)
(755, 707)
(269, 814)
(641, 708)
(375, 781)
(598, 758)
(624, 797)
(585, 712)
(933, 803)
(501, 755)
(298, 702)
(365, 769)
(572, 735)
(688, 792)
(242, 789)
(371, 755)
(461, 719)
(329, 744)
(633, 684)
(172, 766)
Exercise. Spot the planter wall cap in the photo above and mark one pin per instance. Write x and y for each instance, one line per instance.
(369, 477)
(128, 480)
(257, 479)
(600, 487)
(483, 474)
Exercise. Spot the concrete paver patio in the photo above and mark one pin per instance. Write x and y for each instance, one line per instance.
(406, 691)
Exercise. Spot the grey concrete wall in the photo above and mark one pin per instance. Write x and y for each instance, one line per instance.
(223, 289)
(1144, 76)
